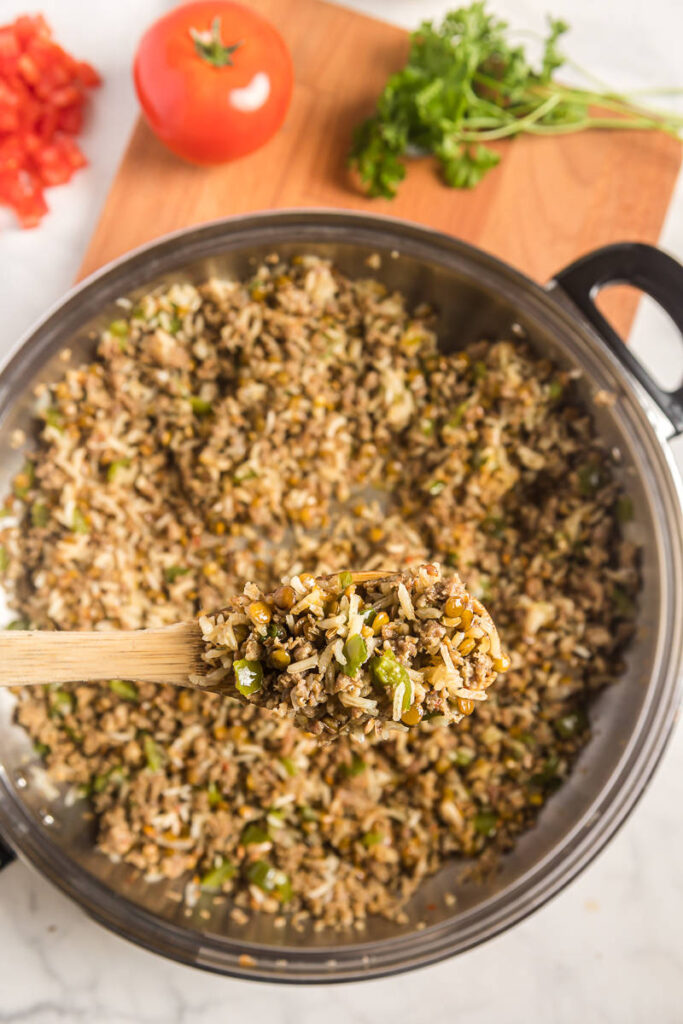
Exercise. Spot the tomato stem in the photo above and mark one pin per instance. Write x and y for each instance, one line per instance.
(210, 47)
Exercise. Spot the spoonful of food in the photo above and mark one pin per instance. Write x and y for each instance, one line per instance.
(362, 652)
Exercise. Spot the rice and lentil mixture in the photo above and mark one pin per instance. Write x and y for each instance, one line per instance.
(366, 657)
(304, 422)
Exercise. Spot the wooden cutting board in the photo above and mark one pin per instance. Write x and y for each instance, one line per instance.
(549, 200)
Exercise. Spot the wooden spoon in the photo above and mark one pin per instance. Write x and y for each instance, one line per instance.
(169, 654)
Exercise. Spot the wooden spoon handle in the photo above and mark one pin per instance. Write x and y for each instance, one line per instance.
(166, 655)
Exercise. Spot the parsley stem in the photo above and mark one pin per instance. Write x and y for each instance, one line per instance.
(520, 124)
(622, 123)
(608, 100)
(658, 91)
(613, 101)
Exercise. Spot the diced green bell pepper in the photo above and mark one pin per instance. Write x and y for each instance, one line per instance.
(248, 676)
(356, 653)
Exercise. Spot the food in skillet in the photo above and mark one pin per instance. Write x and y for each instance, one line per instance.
(356, 652)
(299, 421)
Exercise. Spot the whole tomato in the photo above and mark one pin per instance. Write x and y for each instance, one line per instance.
(214, 80)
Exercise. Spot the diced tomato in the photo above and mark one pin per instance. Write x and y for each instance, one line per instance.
(48, 122)
(42, 95)
(70, 119)
(9, 44)
(87, 74)
(9, 120)
(9, 109)
(51, 166)
(70, 151)
(28, 69)
(12, 154)
(57, 162)
(24, 194)
(65, 96)
(8, 96)
(30, 26)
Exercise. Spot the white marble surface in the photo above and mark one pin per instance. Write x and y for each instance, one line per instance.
(608, 949)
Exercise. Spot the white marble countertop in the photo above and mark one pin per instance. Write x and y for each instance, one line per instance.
(610, 947)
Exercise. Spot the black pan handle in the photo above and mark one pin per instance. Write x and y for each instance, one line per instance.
(644, 267)
(6, 855)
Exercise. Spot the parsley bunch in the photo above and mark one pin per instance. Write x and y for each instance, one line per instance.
(465, 85)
